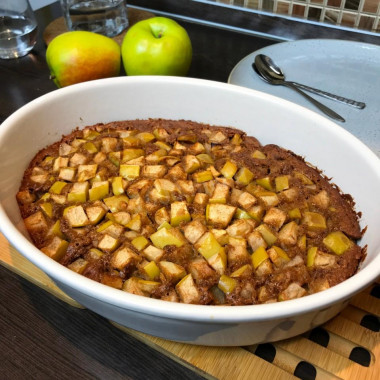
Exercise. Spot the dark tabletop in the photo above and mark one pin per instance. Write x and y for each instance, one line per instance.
(42, 337)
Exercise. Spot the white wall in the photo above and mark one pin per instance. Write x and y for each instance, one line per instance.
(36, 4)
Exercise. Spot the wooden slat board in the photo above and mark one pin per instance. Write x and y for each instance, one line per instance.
(332, 351)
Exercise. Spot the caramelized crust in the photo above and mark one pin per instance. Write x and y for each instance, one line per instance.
(188, 212)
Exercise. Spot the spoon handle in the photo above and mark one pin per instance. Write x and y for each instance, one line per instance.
(329, 112)
(327, 95)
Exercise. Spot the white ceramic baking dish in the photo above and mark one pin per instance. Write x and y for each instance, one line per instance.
(341, 156)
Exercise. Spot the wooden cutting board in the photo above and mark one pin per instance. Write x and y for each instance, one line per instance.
(58, 26)
(347, 347)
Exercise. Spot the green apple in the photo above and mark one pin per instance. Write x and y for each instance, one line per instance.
(81, 56)
(156, 46)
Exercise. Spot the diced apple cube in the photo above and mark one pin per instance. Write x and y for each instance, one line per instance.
(172, 271)
(129, 172)
(278, 256)
(314, 221)
(239, 228)
(324, 260)
(289, 195)
(90, 147)
(164, 186)
(243, 271)
(76, 216)
(122, 217)
(217, 138)
(282, 183)
(86, 172)
(275, 218)
(25, 197)
(221, 236)
(151, 270)
(236, 255)
(56, 249)
(99, 157)
(176, 173)
(226, 284)
(303, 178)
(135, 223)
(78, 266)
(36, 222)
(201, 199)
(117, 185)
(229, 169)
(321, 200)
(256, 240)
(200, 269)
(47, 209)
(293, 291)
(153, 253)
(78, 159)
(99, 190)
(39, 175)
(117, 203)
(244, 176)
(258, 155)
(58, 198)
(207, 245)
(269, 198)
(203, 176)
(179, 213)
(268, 235)
(164, 237)
(109, 144)
(161, 216)
(288, 234)
(194, 230)
(90, 134)
(187, 291)
(190, 163)
(60, 162)
(108, 243)
(124, 257)
(220, 194)
(153, 171)
(57, 187)
(140, 242)
(219, 215)
(78, 192)
(337, 242)
(246, 200)
(67, 174)
(186, 187)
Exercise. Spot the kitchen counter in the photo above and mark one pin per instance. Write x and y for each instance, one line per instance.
(43, 337)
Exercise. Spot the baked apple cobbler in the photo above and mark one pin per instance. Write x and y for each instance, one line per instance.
(188, 212)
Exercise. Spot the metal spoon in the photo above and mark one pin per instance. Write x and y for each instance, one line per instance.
(273, 70)
(270, 79)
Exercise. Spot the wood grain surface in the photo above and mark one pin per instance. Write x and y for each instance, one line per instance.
(347, 347)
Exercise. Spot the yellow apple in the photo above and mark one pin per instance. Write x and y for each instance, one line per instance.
(81, 56)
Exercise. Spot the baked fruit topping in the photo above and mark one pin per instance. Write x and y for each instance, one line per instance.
(187, 212)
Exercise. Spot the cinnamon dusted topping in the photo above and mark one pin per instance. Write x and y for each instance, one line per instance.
(188, 212)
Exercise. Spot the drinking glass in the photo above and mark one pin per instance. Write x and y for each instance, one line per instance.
(107, 17)
(18, 28)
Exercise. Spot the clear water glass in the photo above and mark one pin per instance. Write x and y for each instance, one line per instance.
(107, 17)
(18, 28)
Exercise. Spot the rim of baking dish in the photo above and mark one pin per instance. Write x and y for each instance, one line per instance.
(201, 313)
